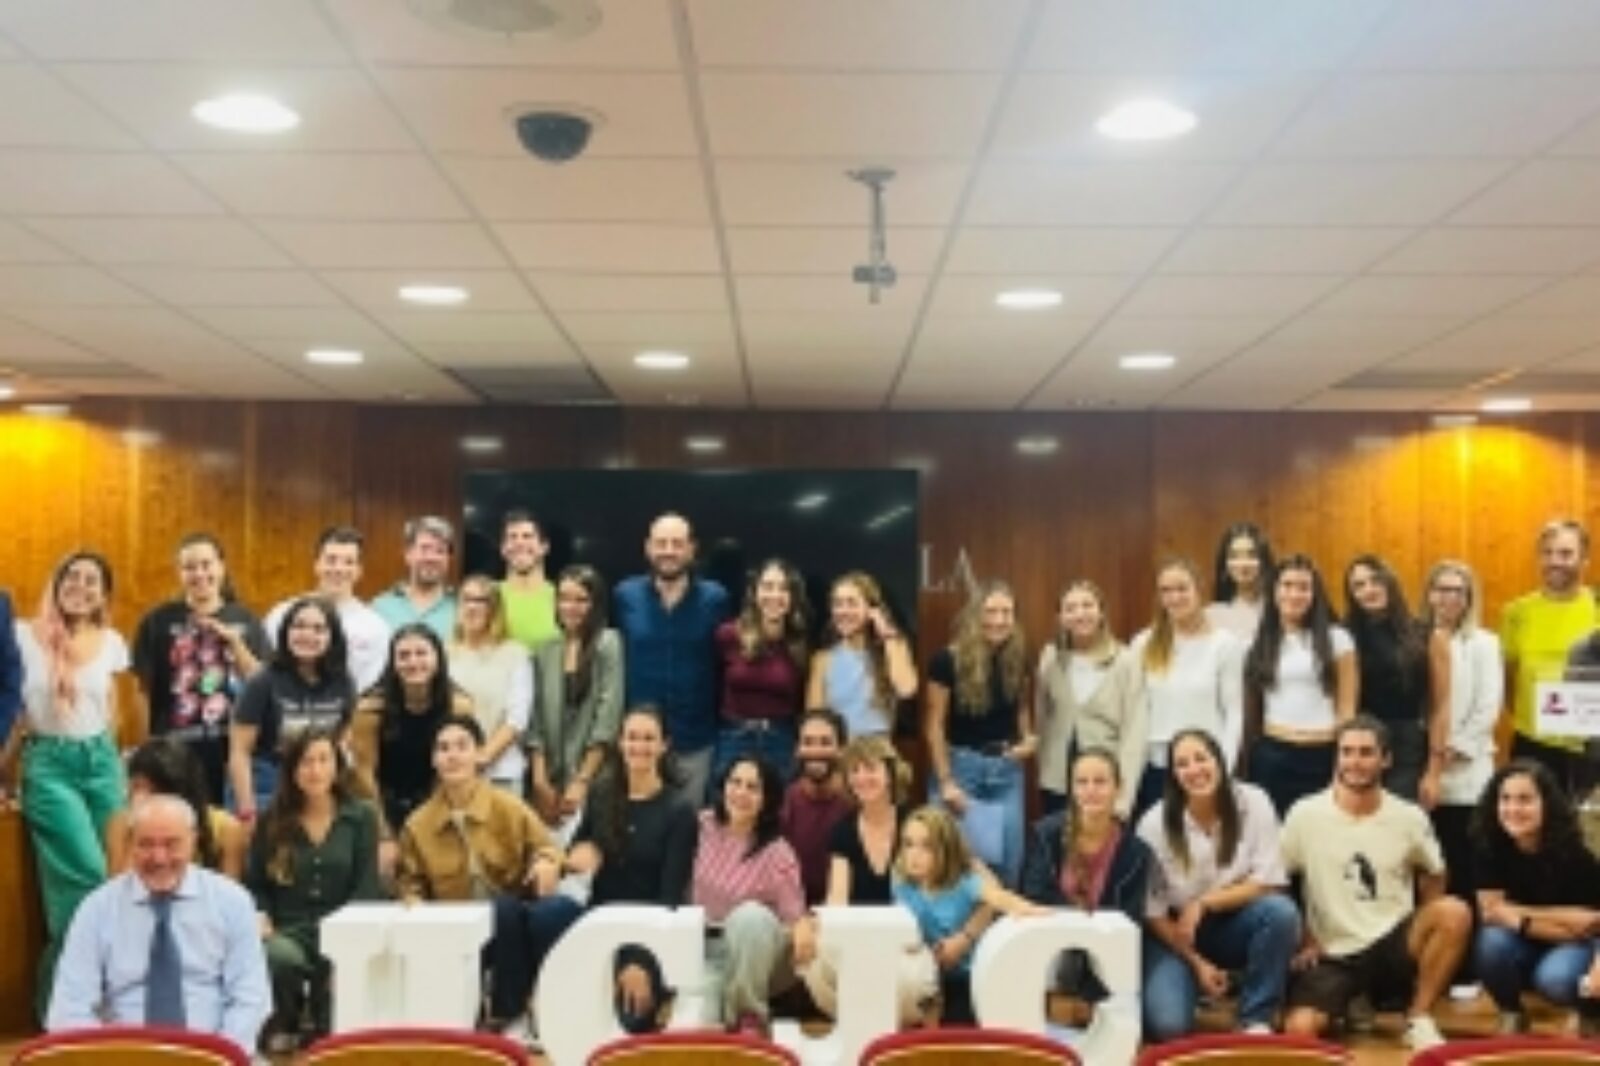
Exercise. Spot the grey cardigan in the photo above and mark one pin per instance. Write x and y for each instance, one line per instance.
(564, 733)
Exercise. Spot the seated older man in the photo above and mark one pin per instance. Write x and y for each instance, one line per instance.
(167, 943)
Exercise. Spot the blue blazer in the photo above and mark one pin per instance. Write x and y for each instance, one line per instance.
(10, 670)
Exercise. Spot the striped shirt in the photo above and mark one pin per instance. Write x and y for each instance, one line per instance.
(725, 876)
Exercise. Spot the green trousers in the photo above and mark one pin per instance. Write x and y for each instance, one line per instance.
(70, 789)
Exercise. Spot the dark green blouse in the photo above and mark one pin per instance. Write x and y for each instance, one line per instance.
(324, 877)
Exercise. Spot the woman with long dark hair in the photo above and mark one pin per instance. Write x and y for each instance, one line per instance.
(305, 685)
(1538, 898)
(1242, 578)
(578, 704)
(72, 779)
(315, 851)
(1216, 894)
(496, 674)
(165, 766)
(391, 734)
(764, 653)
(1405, 677)
(1300, 682)
(192, 655)
(978, 725)
(864, 668)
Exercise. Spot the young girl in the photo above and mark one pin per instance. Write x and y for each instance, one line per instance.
(953, 900)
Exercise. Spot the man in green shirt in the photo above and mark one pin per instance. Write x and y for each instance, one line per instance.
(530, 598)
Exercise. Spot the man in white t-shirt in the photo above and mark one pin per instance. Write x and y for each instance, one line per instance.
(1366, 858)
(338, 568)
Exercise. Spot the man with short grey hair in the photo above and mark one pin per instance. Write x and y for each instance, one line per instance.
(424, 596)
(167, 943)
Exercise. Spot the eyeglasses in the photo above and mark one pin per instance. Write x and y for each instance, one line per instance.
(1449, 590)
(481, 600)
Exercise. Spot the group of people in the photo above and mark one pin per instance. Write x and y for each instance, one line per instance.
(1264, 791)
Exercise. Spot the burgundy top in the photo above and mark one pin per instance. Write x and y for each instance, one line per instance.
(767, 686)
(807, 822)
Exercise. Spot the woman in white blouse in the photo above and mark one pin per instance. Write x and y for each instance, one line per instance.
(1187, 674)
(496, 672)
(1216, 899)
(1243, 570)
(1300, 682)
(72, 778)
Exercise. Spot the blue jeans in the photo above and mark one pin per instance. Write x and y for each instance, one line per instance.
(770, 741)
(1288, 773)
(524, 932)
(1259, 938)
(263, 781)
(992, 779)
(1508, 962)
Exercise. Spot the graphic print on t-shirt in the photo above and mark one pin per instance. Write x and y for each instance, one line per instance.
(205, 680)
(1363, 879)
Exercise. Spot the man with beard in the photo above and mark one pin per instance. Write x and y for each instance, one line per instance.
(337, 566)
(1372, 882)
(528, 596)
(816, 800)
(424, 595)
(668, 619)
(1537, 631)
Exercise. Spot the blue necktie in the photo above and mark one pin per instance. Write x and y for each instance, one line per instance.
(163, 989)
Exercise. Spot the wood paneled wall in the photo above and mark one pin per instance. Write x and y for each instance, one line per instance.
(1121, 491)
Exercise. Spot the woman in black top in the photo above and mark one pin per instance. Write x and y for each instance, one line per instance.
(636, 843)
(1538, 898)
(391, 736)
(979, 728)
(306, 685)
(1405, 677)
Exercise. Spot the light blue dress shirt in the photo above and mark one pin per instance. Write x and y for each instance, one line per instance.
(100, 979)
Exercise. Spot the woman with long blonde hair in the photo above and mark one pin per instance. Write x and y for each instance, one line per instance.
(864, 668)
(978, 722)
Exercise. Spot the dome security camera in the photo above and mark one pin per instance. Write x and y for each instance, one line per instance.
(554, 133)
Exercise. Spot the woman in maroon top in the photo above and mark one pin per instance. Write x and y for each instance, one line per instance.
(764, 653)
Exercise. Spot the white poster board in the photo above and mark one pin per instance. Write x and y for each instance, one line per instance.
(1567, 709)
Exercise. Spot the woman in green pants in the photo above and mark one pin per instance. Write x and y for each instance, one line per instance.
(72, 779)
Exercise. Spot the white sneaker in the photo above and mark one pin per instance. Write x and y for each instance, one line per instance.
(519, 1030)
(1359, 1015)
(1257, 1029)
(1422, 1032)
(1465, 993)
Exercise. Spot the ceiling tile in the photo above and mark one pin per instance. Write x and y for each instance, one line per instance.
(1001, 337)
(1205, 297)
(522, 353)
(327, 186)
(1422, 296)
(1502, 341)
(210, 31)
(1584, 140)
(687, 331)
(791, 331)
(78, 183)
(1494, 250)
(379, 290)
(612, 248)
(470, 111)
(1576, 297)
(210, 287)
(1553, 193)
(849, 35)
(150, 337)
(386, 245)
(430, 331)
(882, 116)
(22, 345)
(17, 245)
(820, 194)
(339, 112)
(1281, 250)
(973, 295)
(63, 286)
(1059, 250)
(810, 293)
(332, 327)
(1484, 35)
(1353, 194)
(589, 190)
(1406, 400)
(1127, 335)
(631, 292)
(1096, 194)
(831, 250)
(54, 116)
(192, 242)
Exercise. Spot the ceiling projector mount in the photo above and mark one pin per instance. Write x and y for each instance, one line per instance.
(877, 273)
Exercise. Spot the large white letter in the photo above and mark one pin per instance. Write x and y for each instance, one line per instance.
(1016, 956)
(574, 1002)
(399, 965)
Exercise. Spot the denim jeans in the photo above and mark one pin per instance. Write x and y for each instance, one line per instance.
(771, 742)
(1260, 938)
(524, 932)
(1288, 773)
(997, 780)
(1508, 962)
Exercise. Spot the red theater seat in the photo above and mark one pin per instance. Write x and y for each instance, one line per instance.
(961, 1046)
(1511, 1051)
(130, 1045)
(406, 1046)
(692, 1048)
(1238, 1049)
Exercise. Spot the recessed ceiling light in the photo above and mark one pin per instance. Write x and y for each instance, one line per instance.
(1147, 361)
(1038, 445)
(245, 113)
(46, 410)
(1145, 120)
(7, 390)
(140, 437)
(811, 501)
(1507, 405)
(1028, 299)
(433, 295)
(704, 445)
(661, 360)
(1453, 421)
(334, 356)
(481, 445)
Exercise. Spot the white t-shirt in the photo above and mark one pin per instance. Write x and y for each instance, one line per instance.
(1255, 858)
(1084, 674)
(91, 711)
(1201, 688)
(1298, 701)
(1238, 617)
(366, 635)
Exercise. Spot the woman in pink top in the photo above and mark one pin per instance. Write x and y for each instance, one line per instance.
(748, 880)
